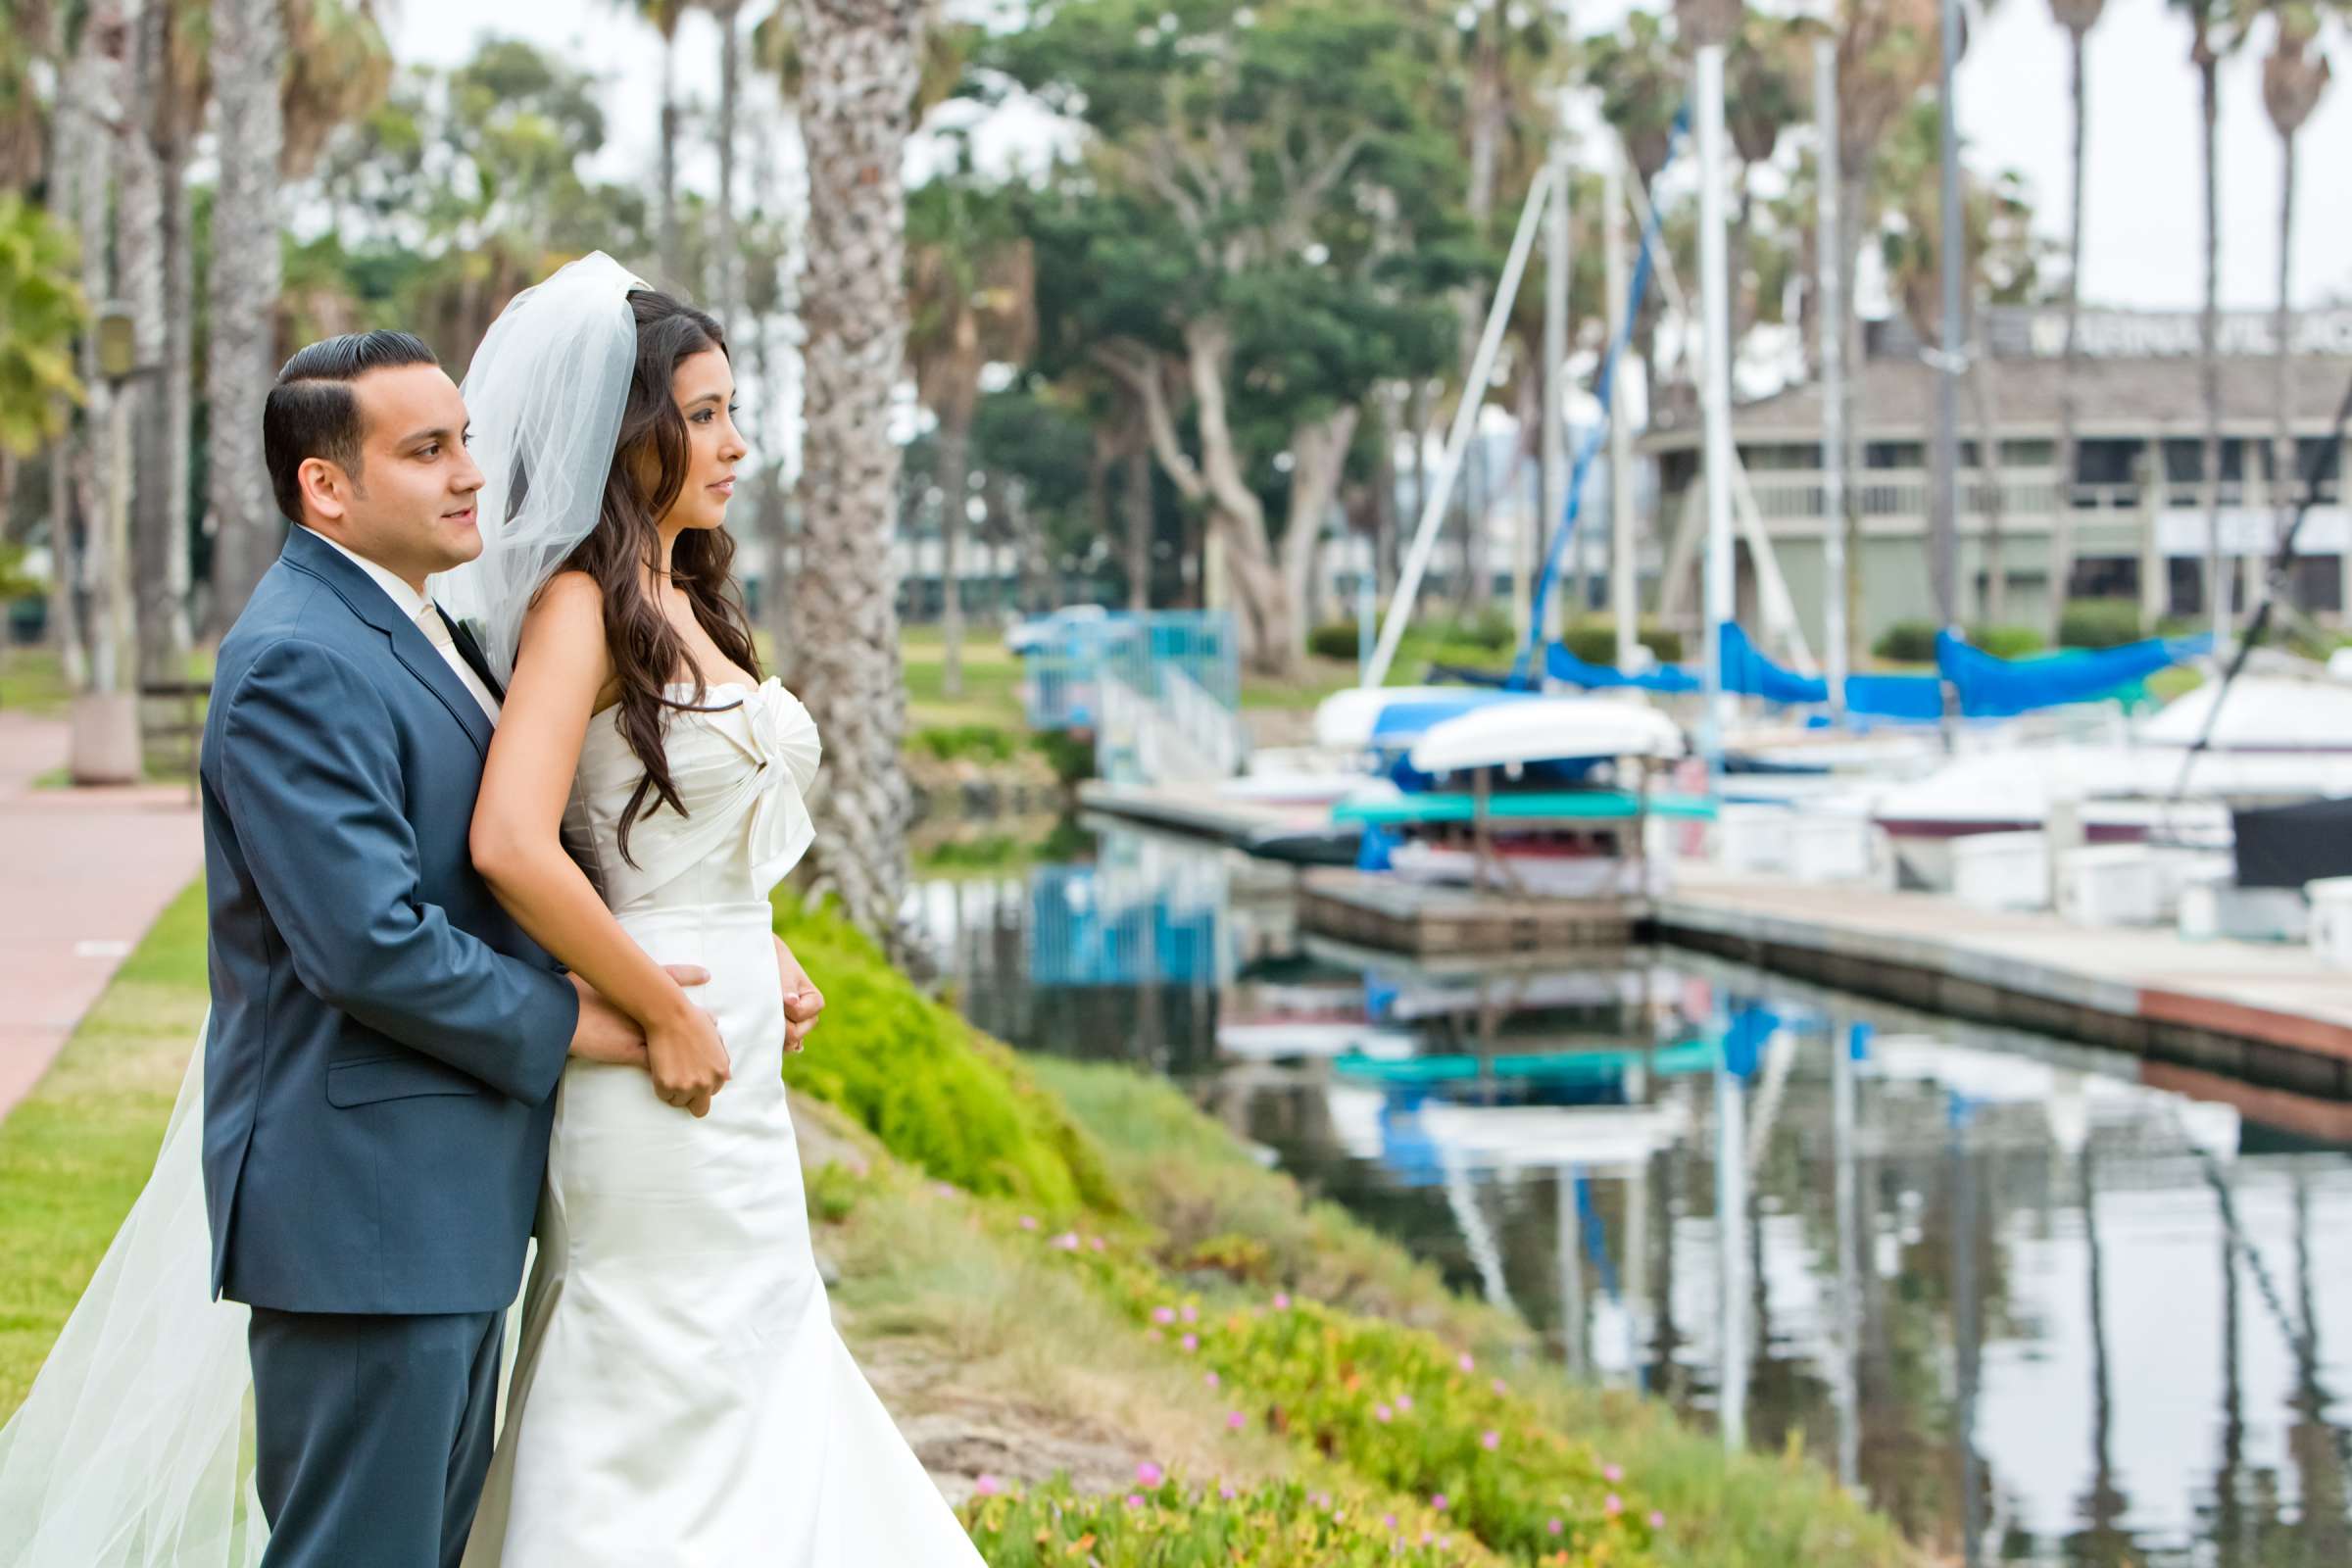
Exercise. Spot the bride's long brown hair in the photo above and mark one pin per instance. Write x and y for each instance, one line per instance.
(648, 469)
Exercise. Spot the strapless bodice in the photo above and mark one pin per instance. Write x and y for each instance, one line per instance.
(742, 763)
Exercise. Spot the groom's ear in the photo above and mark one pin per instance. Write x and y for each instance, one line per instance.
(326, 489)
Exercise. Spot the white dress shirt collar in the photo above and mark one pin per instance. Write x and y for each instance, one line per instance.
(412, 603)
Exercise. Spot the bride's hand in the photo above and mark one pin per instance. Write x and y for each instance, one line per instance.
(802, 1001)
(688, 1061)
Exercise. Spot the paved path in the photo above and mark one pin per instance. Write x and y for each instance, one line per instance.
(2201, 1001)
(83, 873)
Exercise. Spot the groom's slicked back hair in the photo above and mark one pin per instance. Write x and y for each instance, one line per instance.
(313, 412)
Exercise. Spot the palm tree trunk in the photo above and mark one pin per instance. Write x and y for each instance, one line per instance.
(144, 246)
(1138, 526)
(673, 261)
(2062, 514)
(861, 61)
(249, 47)
(101, 469)
(2285, 491)
(731, 96)
(2209, 367)
(955, 484)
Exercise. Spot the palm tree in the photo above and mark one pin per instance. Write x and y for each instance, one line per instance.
(971, 280)
(731, 96)
(664, 16)
(2293, 79)
(2078, 18)
(2210, 37)
(858, 63)
(249, 55)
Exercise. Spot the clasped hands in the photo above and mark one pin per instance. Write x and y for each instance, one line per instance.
(682, 1052)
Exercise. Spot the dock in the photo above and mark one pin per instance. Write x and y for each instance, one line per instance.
(1300, 833)
(2269, 1015)
(1397, 915)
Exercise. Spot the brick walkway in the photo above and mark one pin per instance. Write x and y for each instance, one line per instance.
(83, 873)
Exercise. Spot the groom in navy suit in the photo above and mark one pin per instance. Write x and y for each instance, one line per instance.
(385, 1043)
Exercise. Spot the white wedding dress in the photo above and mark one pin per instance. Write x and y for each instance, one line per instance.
(681, 1396)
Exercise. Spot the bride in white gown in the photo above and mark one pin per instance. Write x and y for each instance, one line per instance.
(681, 1395)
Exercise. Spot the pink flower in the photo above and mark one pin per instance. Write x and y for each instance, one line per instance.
(1094, 1241)
(1135, 1499)
(1148, 1474)
(1388, 1519)
(1467, 1363)
(1163, 1314)
(945, 1188)
(1225, 1491)
(1611, 1473)
(1500, 1386)
(987, 1486)
(1438, 1503)
(1490, 1439)
(1235, 1420)
(1404, 1401)
(1380, 1412)
(1612, 1505)
(1068, 1241)
(1657, 1521)
(1211, 1378)
(1190, 1342)
(1028, 1222)
(1552, 1525)
(1192, 1313)
(1282, 1300)
(1151, 1334)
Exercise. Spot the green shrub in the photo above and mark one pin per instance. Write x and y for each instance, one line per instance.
(1594, 641)
(1170, 1525)
(1908, 642)
(1401, 1408)
(1490, 629)
(938, 1093)
(2007, 642)
(1335, 639)
(2099, 623)
(977, 743)
(1071, 757)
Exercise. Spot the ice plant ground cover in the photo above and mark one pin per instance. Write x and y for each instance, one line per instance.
(1175, 1525)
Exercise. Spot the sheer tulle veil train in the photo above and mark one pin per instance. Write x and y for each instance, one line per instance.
(135, 1447)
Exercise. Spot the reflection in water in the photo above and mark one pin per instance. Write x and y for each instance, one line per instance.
(2040, 1303)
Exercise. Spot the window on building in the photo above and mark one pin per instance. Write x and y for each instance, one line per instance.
(1895, 455)
(2099, 463)
(2104, 577)
(2029, 454)
(2183, 459)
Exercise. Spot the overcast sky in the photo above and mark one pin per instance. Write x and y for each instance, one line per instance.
(2143, 246)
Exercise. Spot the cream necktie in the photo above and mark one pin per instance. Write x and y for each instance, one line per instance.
(436, 632)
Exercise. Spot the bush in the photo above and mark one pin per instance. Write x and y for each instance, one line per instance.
(977, 743)
(1490, 630)
(1403, 1409)
(1908, 642)
(1169, 1525)
(2099, 622)
(2007, 642)
(1596, 641)
(1071, 757)
(938, 1093)
(1335, 639)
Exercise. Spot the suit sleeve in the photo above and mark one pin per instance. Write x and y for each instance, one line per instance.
(311, 781)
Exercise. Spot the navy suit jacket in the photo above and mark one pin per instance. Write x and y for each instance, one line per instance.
(385, 1043)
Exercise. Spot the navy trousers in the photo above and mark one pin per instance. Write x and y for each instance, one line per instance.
(374, 1435)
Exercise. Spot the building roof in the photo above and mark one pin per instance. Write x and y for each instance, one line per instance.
(2137, 398)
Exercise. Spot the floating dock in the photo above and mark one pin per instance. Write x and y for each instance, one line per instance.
(1378, 910)
(1299, 833)
(2269, 1015)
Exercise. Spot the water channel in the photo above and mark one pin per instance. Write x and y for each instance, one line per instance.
(2042, 1304)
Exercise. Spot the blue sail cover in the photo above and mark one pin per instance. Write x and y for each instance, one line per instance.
(1747, 671)
(1562, 664)
(1916, 699)
(1991, 687)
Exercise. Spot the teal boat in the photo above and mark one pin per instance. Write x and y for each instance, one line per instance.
(1539, 806)
(1558, 1066)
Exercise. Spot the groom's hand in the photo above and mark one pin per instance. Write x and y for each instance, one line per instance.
(609, 1035)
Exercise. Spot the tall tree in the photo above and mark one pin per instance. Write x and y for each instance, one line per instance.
(2078, 18)
(972, 303)
(664, 16)
(2211, 34)
(1215, 252)
(248, 59)
(729, 282)
(859, 62)
(2293, 80)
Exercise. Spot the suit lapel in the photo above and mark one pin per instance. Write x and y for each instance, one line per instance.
(408, 640)
(471, 652)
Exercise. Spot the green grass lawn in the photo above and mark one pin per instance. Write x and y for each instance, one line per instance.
(32, 681)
